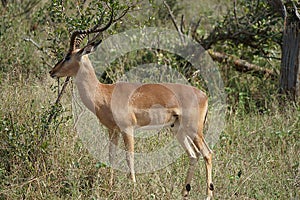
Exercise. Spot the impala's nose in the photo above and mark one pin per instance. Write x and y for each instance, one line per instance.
(52, 73)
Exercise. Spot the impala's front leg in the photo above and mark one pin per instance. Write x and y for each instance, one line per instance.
(129, 147)
(194, 156)
(113, 144)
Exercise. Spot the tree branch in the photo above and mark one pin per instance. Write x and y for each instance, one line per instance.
(279, 7)
(39, 48)
(62, 90)
(242, 65)
(53, 113)
(174, 22)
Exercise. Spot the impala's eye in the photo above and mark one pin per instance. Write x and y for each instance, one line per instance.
(68, 57)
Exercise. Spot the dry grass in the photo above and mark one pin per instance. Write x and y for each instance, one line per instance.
(257, 157)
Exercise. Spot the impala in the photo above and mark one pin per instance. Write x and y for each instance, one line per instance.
(125, 107)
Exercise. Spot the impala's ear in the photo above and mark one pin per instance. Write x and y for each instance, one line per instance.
(89, 48)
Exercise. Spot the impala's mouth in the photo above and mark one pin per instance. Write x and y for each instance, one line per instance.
(52, 74)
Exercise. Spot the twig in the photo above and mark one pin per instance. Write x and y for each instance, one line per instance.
(52, 112)
(33, 42)
(12, 187)
(244, 181)
(59, 97)
(279, 7)
(194, 29)
(234, 12)
(39, 48)
(182, 24)
(123, 14)
(174, 22)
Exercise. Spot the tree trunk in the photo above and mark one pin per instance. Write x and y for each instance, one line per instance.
(289, 84)
(290, 70)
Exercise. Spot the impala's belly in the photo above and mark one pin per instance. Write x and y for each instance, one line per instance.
(153, 127)
(155, 117)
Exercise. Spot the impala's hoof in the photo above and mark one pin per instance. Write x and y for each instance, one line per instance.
(188, 187)
(211, 187)
(185, 191)
(185, 197)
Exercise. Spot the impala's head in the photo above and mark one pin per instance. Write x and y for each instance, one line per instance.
(70, 64)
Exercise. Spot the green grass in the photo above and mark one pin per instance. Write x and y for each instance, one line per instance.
(257, 156)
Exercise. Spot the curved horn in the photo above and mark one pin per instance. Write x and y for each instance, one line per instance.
(78, 35)
(76, 38)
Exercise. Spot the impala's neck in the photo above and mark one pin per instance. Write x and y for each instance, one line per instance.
(87, 83)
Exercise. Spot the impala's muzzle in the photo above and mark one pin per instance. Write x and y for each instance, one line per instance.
(52, 74)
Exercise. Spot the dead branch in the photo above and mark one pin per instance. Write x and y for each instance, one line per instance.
(241, 65)
(279, 7)
(52, 112)
(39, 48)
(58, 99)
(175, 22)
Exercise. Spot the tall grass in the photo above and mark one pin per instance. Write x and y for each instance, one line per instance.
(257, 156)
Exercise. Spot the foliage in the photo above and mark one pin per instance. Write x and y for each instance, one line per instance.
(67, 16)
(250, 30)
(248, 24)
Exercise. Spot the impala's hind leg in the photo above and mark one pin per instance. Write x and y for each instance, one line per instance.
(113, 144)
(207, 155)
(189, 147)
(129, 147)
(187, 187)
